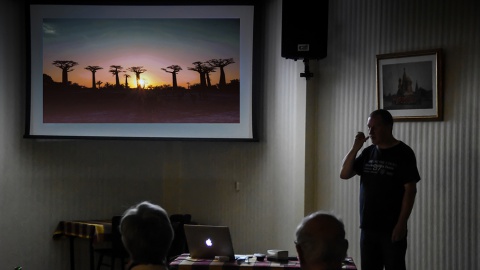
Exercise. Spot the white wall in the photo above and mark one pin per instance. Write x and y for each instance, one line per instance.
(43, 182)
(445, 220)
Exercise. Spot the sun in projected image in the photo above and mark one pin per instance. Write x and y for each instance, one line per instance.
(143, 83)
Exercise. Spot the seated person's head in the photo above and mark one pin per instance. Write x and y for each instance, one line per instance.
(147, 233)
(320, 242)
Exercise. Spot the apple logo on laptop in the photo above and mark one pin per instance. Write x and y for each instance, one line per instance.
(209, 242)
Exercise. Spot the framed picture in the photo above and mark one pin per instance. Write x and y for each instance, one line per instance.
(409, 85)
(176, 71)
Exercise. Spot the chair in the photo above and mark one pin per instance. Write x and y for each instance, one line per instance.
(179, 243)
(116, 251)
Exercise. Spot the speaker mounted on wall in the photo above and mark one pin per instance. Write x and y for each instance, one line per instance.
(304, 31)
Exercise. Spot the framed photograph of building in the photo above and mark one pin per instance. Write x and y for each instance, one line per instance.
(177, 71)
(409, 85)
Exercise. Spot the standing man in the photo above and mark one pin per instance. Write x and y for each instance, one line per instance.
(388, 185)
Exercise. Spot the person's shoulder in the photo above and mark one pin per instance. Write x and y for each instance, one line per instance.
(403, 147)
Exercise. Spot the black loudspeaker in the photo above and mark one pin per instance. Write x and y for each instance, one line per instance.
(304, 29)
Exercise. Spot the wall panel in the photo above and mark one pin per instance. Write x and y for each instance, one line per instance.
(443, 226)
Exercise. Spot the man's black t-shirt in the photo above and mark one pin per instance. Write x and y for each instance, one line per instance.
(383, 173)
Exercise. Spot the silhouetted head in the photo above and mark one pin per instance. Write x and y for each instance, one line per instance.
(380, 127)
(147, 233)
(320, 242)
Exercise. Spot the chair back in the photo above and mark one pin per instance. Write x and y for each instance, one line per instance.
(179, 244)
(118, 249)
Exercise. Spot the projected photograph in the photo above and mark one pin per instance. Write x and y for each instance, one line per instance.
(157, 71)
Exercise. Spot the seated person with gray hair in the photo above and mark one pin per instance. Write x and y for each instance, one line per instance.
(147, 235)
(320, 242)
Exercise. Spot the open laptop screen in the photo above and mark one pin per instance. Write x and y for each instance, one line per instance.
(208, 241)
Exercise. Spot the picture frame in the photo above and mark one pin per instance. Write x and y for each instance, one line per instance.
(177, 70)
(409, 85)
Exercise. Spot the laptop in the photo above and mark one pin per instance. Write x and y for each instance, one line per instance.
(208, 241)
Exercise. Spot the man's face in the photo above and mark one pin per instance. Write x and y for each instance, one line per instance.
(377, 131)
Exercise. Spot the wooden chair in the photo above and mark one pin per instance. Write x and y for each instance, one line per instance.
(179, 244)
(116, 251)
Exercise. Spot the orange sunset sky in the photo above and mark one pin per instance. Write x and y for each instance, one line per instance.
(151, 43)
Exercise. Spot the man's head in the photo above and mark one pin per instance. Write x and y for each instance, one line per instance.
(147, 233)
(320, 242)
(380, 126)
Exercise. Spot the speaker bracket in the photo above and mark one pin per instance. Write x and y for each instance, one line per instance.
(307, 74)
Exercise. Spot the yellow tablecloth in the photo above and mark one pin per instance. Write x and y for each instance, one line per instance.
(95, 230)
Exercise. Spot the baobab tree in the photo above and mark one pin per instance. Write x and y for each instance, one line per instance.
(221, 63)
(200, 68)
(93, 69)
(66, 66)
(126, 79)
(207, 71)
(115, 70)
(137, 70)
(174, 70)
(99, 83)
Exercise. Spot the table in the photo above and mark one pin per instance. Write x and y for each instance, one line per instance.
(183, 262)
(96, 231)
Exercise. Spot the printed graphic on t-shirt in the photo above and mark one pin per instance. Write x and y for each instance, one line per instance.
(380, 167)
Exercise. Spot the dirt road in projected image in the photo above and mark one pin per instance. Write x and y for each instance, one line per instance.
(141, 106)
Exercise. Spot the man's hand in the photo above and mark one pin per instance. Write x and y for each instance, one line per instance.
(360, 139)
(347, 167)
(399, 232)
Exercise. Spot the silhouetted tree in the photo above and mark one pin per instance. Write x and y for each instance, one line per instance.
(47, 79)
(221, 63)
(126, 79)
(93, 69)
(137, 70)
(200, 68)
(207, 71)
(175, 69)
(66, 66)
(99, 83)
(115, 70)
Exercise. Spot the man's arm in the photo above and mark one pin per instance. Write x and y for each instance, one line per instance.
(400, 230)
(347, 171)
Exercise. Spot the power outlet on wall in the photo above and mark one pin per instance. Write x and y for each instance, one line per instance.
(237, 186)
